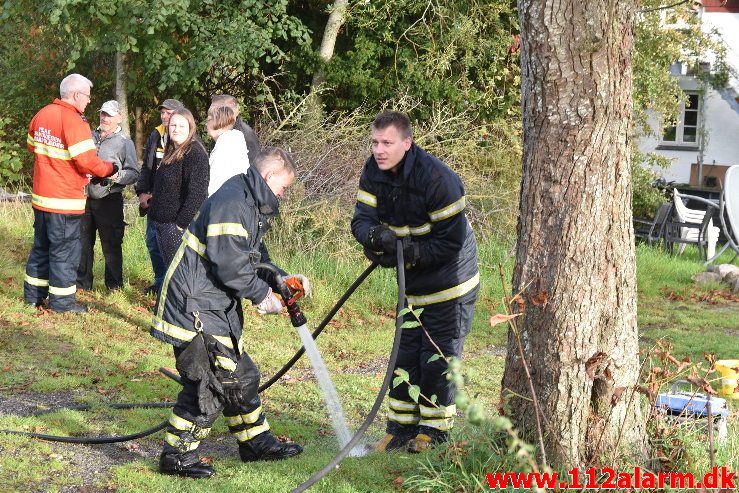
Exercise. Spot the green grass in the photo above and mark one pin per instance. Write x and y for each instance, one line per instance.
(108, 356)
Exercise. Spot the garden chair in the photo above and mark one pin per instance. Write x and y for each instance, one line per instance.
(690, 233)
(692, 228)
(653, 230)
(728, 213)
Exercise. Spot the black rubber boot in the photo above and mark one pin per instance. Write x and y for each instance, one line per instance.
(427, 438)
(187, 465)
(266, 447)
(397, 437)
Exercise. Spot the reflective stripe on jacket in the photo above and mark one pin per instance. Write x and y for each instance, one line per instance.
(426, 201)
(213, 268)
(65, 154)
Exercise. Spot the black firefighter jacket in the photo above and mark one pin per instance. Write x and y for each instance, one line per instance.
(213, 268)
(426, 201)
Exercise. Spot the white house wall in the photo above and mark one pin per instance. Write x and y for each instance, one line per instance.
(721, 113)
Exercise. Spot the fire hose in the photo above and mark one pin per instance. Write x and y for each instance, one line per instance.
(296, 317)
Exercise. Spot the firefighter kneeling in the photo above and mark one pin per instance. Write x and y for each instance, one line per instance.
(199, 313)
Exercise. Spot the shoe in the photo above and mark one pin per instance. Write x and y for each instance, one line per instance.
(427, 441)
(75, 308)
(266, 447)
(391, 442)
(186, 465)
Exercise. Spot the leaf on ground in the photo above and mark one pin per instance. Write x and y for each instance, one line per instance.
(501, 318)
(398, 481)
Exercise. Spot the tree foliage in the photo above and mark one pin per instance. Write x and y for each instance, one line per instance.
(457, 53)
(662, 37)
(451, 57)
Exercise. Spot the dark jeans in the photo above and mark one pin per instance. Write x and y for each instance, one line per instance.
(157, 262)
(169, 237)
(104, 216)
(52, 264)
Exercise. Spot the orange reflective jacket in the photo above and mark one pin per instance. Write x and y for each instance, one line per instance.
(65, 154)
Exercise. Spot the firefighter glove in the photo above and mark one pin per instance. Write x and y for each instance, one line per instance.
(233, 395)
(411, 252)
(303, 282)
(270, 305)
(104, 180)
(384, 260)
(382, 239)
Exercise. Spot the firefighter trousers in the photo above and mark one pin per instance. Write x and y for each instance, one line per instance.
(447, 324)
(188, 425)
(51, 269)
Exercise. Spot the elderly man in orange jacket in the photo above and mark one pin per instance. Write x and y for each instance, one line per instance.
(65, 155)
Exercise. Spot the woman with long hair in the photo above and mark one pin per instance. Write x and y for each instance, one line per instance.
(230, 156)
(180, 184)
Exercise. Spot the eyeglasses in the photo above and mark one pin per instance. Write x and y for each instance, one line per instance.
(85, 95)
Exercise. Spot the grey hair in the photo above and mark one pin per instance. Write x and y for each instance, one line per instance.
(73, 83)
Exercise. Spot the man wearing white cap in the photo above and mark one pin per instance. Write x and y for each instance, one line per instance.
(104, 211)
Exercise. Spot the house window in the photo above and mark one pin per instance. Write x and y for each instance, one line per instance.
(685, 132)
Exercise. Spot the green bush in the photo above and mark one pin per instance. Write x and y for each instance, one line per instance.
(10, 158)
(646, 197)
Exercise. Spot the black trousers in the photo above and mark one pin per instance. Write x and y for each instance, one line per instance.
(53, 261)
(104, 216)
(447, 324)
(188, 425)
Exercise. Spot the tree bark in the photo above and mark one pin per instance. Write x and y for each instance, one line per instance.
(575, 260)
(328, 43)
(139, 140)
(120, 89)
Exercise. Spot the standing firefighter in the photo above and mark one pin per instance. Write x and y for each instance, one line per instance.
(65, 154)
(212, 270)
(405, 193)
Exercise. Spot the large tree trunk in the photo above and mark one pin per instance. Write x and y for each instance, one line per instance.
(120, 89)
(575, 253)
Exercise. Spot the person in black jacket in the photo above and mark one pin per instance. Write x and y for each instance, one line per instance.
(212, 271)
(405, 193)
(252, 142)
(153, 153)
(180, 183)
